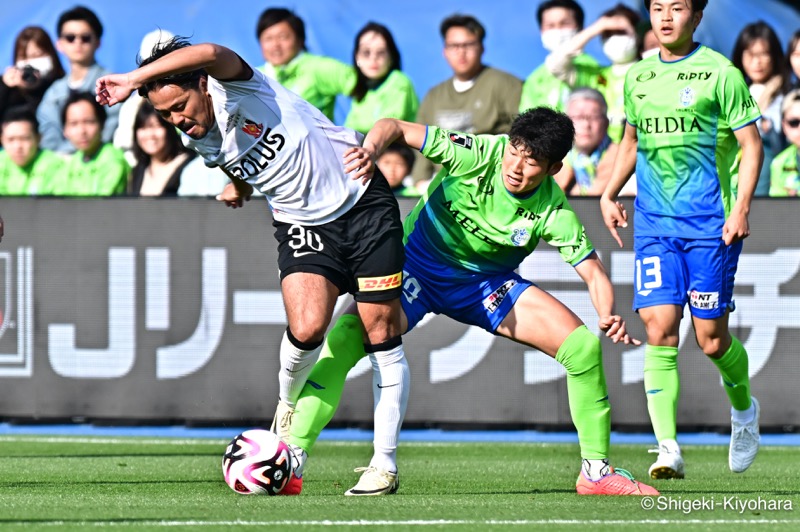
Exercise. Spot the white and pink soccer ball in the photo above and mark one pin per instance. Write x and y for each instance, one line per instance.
(257, 462)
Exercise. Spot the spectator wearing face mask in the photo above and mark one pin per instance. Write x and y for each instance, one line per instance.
(36, 66)
(621, 45)
(559, 21)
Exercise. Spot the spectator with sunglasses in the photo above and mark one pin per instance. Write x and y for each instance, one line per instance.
(784, 173)
(79, 33)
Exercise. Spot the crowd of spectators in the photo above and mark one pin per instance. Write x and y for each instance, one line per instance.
(56, 140)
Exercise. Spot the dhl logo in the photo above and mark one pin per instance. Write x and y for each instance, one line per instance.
(375, 284)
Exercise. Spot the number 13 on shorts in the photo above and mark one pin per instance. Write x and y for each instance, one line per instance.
(648, 275)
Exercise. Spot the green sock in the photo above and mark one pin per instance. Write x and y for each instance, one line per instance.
(320, 397)
(582, 357)
(734, 368)
(662, 385)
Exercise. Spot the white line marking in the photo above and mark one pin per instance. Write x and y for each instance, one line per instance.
(420, 522)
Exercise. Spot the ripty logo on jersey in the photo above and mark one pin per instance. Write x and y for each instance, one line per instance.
(376, 284)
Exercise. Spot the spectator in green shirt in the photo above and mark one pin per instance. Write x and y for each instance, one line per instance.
(785, 167)
(96, 168)
(317, 79)
(381, 89)
(25, 168)
(559, 21)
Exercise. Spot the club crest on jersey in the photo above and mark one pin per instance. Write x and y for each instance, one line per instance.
(461, 140)
(520, 236)
(687, 97)
(252, 129)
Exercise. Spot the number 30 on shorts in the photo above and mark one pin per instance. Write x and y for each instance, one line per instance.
(304, 238)
(648, 274)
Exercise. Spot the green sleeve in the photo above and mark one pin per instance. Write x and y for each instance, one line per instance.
(333, 77)
(630, 116)
(458, 153)
(737, 106)
(564, 231)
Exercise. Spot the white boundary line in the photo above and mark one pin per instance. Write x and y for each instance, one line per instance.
(421, 523)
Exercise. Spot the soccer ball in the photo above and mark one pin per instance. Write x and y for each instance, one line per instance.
(257, 462)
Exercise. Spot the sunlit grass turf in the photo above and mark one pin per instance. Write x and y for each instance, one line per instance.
(161, 484)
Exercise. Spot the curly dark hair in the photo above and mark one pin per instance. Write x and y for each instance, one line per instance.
(543, 133)
(184, 80)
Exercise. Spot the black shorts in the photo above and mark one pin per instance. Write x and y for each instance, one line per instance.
(361, 252)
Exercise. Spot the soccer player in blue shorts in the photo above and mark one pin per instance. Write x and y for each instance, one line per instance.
(687, 108)
(487, 210)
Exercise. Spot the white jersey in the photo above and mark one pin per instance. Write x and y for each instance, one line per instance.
(283, 146)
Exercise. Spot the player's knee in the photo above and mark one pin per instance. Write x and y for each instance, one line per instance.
(345, 340)
(580, 352)
(713, 346)
(306, 333)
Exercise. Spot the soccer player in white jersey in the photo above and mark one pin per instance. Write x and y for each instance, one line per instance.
(337, 231)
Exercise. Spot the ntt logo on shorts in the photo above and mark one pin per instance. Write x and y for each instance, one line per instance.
(375, 284)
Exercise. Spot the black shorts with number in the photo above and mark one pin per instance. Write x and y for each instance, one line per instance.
(361, 252)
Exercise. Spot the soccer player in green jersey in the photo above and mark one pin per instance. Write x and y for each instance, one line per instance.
(483, 214)
(687, 108)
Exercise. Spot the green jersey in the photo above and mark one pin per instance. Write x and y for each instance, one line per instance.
(35, 179)
(106, 174)
(394, 98)
(543, 89)
(685, 113)
(469, 223)
(785, 173)
(315, 78)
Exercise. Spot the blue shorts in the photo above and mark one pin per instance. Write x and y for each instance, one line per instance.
(676, 271)
(484, 301)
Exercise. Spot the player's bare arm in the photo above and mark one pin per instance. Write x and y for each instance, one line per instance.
(737, 226)
(614, 213)
(593, 273)
(218, 61)
(361, 160)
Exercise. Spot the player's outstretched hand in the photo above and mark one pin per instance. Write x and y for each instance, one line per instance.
(614, 327)
(233, 197)
(360, 162)
(113, 89)
(614, 215)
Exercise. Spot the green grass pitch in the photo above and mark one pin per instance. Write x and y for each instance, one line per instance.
(83, 483)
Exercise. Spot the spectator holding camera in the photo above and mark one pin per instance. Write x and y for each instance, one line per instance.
(35, 67)
(79, 34)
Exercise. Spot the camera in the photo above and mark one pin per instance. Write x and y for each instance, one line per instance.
(29, 75)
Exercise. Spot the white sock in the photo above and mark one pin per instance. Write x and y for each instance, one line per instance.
(296, 365)
(595, 469)
(743, 417)
(391, 381)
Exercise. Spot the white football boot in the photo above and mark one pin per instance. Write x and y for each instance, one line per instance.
(282, 422)
(744, 442)
(669, 463)
(374, 481)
